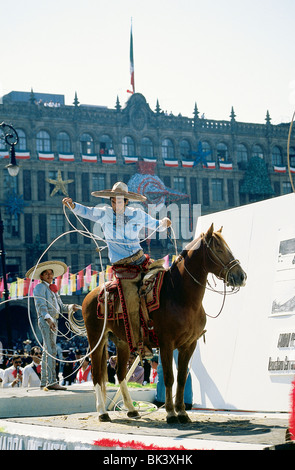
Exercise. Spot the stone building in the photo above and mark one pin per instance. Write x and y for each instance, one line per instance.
(82, 148)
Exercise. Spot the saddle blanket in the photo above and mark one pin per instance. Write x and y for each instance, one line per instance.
(149, 292)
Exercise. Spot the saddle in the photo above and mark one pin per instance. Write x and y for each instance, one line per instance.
(149, 294)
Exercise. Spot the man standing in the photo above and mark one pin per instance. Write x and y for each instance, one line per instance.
(121, 226)
(32, 372)
(48, 306)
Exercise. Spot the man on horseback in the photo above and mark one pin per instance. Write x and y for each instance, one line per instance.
(121, 225)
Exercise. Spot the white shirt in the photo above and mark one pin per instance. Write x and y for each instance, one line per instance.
(8, 377)
(30, 377)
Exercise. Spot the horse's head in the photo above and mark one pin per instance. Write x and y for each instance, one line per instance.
(220, 260)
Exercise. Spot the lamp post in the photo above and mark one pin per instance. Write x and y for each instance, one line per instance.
(10, 136)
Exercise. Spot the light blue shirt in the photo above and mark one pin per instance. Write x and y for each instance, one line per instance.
(121, 231)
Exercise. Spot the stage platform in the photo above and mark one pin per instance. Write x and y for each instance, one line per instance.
(78, 398)
(32, 419)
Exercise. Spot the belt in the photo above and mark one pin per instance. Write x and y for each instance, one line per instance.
(130, 259)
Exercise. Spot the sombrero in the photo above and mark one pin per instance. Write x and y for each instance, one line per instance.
(119, 189)
(58, 268)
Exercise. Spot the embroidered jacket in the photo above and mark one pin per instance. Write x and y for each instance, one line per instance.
(47, 303)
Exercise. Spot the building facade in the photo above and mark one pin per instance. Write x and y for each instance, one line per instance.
(78, 149)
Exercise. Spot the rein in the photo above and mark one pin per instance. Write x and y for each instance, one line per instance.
(225, 267)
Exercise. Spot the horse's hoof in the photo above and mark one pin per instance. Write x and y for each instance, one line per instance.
(133, 414)
(172, 419)
(184, 419)
(104, 418)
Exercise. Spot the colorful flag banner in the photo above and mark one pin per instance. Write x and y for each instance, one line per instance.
(171, 163)
(89, 158)
(109, 159)
(150, 160)
(187, 163)
(279, 169)
(46, 156)
(22, 155)
(210, 165)
(4, 154)
(130, 160)
(66, 157)
(225, 165)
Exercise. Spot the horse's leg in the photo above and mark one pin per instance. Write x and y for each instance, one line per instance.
(166, 359)
(98, 361)
(123, 353)
(183, 361)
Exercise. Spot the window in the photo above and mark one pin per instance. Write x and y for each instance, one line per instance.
(184, 148)
(206, 150)
(217, 189)
(222, 152)
(128, 147)
(257, 151)
(43, 142)
(276, 156)
(98, 182)
(106, 145)
(242, 153)
(179, 184)
(292, 156)
(146, 147)
(86, 144)
(63, 143)
(287, 188)
(167, 149)
(22, 140)
(56, 225)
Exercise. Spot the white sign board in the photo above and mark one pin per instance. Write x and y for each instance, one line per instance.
(248, 360)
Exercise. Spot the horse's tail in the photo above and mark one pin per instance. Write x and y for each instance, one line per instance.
(104, 370)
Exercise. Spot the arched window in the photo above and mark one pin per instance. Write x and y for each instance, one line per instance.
(167, 149)
(276, 156)
(206, 149)
(185, 148)
(105, 144)
(146, 147)
(222, 151)
(86, 144)
(43, 142)
(22, 140)
(242, 156)
(63, 142)
(128, 147)
(242, 153)
(257, 151)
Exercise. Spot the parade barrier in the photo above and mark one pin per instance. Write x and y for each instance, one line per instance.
(248, 359)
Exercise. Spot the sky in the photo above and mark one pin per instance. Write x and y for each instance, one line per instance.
(216, 53)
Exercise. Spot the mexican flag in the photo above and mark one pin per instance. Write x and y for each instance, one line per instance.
(132, 61)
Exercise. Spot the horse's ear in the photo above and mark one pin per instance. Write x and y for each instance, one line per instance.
(209, 232)
(220, 230)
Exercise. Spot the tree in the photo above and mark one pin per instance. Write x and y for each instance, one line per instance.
(256, 182)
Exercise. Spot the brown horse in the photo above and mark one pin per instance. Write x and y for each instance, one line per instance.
(178, 323)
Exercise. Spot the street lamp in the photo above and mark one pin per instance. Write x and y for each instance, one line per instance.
(10, 137)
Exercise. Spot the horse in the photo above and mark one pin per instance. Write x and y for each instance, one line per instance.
(178, 322)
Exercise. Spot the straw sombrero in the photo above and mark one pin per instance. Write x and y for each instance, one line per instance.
(119, 189)
(58, 268)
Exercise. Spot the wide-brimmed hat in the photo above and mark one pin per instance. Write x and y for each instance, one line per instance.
(58, 268)
(119, 189)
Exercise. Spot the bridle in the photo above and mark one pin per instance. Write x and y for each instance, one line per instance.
(225, 267)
